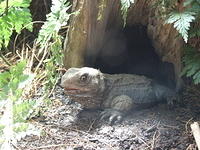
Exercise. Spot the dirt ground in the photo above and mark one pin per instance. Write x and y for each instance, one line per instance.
(66, 126)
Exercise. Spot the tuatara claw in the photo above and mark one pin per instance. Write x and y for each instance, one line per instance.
(113, 116)
(171, 101)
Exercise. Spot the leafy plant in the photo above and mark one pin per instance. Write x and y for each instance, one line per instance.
(13, 17)
(191, 61)
(125, 5)
(49, 37)
(179, 13)
(185, 17)
(54, 62)
(15, 109)
(181, 21)
(55, 20)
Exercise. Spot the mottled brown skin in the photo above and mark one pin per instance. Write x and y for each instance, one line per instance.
(116, 94)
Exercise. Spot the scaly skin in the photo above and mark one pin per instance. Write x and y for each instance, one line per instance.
(117, 94)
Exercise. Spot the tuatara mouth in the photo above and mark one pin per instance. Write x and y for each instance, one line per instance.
(71, 89)
(75, 91)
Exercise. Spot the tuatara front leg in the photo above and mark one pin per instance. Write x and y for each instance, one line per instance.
(117, 108)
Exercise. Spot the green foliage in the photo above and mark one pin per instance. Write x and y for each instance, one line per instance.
(23, 110)
(191, 62)
(55, 20)
(181, 15)
(125, 5)
(13, 17)
(11, 84)
(181, 21)
(185, 17)
(9, 81)
(191, 58)
(23, 129)
(54, 62)
(49, 37)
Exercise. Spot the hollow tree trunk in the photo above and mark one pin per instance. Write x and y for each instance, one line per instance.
(88, 27)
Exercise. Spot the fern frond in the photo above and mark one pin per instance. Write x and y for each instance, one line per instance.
(181, 21)
(191, 62)
(125, 4)
(17, 18)
(55, 20)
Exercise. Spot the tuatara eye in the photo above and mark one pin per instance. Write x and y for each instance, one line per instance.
(84, 77)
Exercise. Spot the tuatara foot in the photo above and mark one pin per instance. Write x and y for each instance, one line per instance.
(172, 100)
(170, 103)
(113, 116)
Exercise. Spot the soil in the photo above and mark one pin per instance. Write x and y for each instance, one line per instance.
(66, 126)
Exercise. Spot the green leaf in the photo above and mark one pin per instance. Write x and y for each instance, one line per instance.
(15, 3)
(22, 109)
(125, 5)
(25, 129)
(4, 78)
(181, 21)
(191, 60)
(17, 18)
(55, 20)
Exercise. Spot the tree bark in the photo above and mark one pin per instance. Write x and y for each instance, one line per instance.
(87, 30)
(95, 17)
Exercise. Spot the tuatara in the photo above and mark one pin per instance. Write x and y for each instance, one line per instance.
(116, 94)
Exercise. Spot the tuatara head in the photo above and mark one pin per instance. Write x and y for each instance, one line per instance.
(83, 83)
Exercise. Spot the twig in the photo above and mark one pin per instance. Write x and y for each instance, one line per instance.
(169, 126)
(45, 52)
(15, 40)
(196, 133)
(153, 128)
(143, 141)
(91, 125)
(186, 125)
(49, 146)
(31, 60)
(4, 59)
(154, 140)
(154, 135)
(190, 147)
(20, 56)
(53, 88)
(26, 50)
